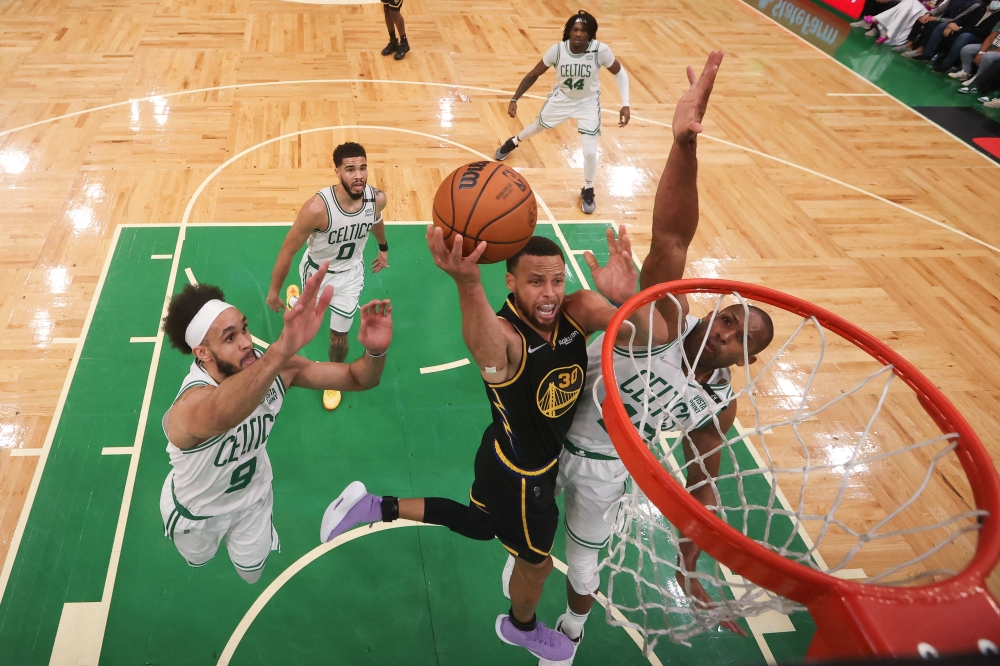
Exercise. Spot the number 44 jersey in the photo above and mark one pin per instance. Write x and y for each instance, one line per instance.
(228, 472)
(577, 74)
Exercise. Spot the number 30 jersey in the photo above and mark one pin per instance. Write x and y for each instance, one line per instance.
(577, 73)
(227, 472)
(342, 242)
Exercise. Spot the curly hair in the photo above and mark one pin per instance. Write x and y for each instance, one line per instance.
(589, 22)
(182, 309)
(346, 150)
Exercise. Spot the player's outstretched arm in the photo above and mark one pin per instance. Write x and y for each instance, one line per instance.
(481, 328)
(528, 81)
(312, 217)
(675, 208)
(363, 373)
(378, 230)
(621, 79)
(208, 411)
(704, 442)
(616, 282)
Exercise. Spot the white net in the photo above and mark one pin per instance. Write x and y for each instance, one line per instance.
(836, 466)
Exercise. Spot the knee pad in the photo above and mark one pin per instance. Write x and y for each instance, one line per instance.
(582, 568)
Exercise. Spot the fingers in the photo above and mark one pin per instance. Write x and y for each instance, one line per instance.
(372, 308)
(624, 242)
(733, 627)
(324, 301)
(456, 248)
(311, 287)
(591, 260)
(478, 252)
(609, 234)
(692, 79)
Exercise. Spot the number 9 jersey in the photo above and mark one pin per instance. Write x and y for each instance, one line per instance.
(577, 74)
(228, 472)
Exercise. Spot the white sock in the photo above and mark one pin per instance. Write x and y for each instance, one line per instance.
(572, 624)
(588, 183)
(515, 139)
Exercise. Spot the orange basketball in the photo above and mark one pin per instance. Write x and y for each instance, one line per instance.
(486, 201)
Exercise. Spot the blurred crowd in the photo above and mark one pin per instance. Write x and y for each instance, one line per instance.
(959, 38)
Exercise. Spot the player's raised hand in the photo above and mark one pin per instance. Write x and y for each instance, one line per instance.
(692, 105)
(694, 589)
(461, 269)
(303, 321)
(376, 327)
(617, 279)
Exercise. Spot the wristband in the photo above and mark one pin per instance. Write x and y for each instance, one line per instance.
(377, 355)
(383, 247)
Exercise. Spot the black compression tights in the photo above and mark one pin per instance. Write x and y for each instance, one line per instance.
(469, 521)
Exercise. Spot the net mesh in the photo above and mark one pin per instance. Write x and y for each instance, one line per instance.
(838, 468)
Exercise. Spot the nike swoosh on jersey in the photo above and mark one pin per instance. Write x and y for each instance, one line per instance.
(532, 350)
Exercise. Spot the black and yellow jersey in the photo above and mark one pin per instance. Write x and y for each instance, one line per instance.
(532, 412)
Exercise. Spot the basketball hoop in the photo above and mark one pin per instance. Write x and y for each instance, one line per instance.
(953, 614)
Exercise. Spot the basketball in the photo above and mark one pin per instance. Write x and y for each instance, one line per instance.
(486, 201)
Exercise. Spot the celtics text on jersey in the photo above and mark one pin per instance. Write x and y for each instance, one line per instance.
(229, 471)
(660, 387)
(342, 242)
(577, 74)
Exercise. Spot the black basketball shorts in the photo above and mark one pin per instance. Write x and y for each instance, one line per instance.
(393, 4)
(521, 503)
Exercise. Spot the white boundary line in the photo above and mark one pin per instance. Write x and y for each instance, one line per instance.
(141, 339)
(29, 500)
(444, 366)
(258, 605)
(496, 91)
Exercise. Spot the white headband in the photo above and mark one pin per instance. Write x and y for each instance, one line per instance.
(198, 328)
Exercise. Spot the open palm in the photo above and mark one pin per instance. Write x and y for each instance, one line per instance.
(616, 280)
(692, 104)
(376, 326)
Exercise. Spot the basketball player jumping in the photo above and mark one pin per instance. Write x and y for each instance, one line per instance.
(532, 356)
(577, 94)
(334, 223)
(217, 426)
(590, 472)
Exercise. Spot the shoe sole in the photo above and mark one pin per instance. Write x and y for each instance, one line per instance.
(333, 404)
(500, 157)
(339, 507)
(591, 211)
(505, 576)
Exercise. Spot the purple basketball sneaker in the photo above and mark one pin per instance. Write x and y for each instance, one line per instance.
(354, 507)
(542, 642)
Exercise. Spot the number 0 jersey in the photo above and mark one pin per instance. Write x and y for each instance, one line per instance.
(675, 403)
(533, 411)
(227, 472)
(577, 74)
(342, 243)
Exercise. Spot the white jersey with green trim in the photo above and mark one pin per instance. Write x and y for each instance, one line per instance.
(676, 403)
(228, 472)
(342, 242)
(577, 74)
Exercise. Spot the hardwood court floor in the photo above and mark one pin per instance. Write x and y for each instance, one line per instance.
(833, 199)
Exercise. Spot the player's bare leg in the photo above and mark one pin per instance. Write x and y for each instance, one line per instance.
(404, 45)
(337, 353)
(390, 25)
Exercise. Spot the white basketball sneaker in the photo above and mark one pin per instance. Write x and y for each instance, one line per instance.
(576, 645)
(508, 569)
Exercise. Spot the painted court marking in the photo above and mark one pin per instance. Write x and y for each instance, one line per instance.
(161, 256)
(444, 366)
(15, 453)
(65, 341)
(258, 605)
(137, 339)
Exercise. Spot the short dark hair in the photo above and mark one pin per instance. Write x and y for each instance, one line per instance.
(768, 329)
(182, 309)
(589, 22)
(345, 150)
(537, 246)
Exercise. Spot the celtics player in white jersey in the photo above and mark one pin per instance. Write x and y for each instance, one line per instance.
(577, 94)
(217, 428)
(334, 225)
(590, 472)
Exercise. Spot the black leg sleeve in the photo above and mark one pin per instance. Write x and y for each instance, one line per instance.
(469, 521)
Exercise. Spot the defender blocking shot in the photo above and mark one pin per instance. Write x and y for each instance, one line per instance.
(217, 428)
